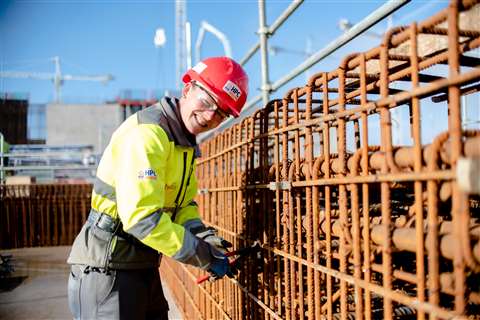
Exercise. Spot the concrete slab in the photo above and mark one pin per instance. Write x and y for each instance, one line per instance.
(43, 293)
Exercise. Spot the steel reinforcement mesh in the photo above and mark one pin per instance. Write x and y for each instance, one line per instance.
(354, 187)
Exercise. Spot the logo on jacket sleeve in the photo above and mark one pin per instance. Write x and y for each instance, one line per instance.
(147, 174)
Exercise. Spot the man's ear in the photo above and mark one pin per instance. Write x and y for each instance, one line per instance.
(186, 88)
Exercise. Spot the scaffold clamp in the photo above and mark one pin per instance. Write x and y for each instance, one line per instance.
(468, 174)
(202, 191)
(280, 185)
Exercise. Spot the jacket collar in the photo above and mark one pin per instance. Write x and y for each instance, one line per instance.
(180, 134)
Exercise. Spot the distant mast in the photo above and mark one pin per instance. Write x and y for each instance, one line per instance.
(180, 46)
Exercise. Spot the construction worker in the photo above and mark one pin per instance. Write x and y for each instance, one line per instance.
(142, 201)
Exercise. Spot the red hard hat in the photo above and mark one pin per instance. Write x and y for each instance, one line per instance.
(223, 77)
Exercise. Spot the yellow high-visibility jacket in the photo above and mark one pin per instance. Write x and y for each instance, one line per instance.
(142, 199)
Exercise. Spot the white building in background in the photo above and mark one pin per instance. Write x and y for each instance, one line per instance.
(82, 124)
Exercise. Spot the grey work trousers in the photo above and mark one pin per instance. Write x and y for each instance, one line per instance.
(116, 294)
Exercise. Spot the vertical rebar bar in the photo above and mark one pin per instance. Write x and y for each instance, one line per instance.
(386, 142)
(417, 143)
(313, 285)
(455, 132)
(328, 233)
(365, 188)
(287, 223)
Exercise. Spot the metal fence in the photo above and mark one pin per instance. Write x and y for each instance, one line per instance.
(49, 163)
(42, 215)
(352, 225)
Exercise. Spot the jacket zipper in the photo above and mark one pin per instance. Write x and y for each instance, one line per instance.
(188, 179)
(185, 155)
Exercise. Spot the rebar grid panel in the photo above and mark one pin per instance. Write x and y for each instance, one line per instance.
(42, 215)
(357, 218)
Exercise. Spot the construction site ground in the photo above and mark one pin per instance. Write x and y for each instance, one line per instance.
(43, 292)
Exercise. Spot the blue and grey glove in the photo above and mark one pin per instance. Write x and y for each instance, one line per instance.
(220, 265)
(219, 268)
(211, 248)
(210, 236)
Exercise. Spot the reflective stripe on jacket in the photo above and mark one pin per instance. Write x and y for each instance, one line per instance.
(145, 179)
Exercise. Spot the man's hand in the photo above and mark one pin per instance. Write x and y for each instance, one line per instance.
(220, 265)
(219, 268)
(210, 236)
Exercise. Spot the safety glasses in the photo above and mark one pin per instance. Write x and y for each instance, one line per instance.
(208, 102)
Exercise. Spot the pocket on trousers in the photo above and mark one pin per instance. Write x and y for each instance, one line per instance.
(99, 246)
(74, 286)
(105, 283)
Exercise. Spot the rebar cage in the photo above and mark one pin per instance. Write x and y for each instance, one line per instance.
(358, 185)
(42, 215)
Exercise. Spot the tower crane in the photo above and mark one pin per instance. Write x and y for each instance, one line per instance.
(57, 78)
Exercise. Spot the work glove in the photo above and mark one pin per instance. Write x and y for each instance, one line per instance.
(220, 265)
(218, 268)
(210, 236)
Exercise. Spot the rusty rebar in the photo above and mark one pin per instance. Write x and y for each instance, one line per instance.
(353, 228)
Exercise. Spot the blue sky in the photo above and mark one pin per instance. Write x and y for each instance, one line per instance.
(116, 37)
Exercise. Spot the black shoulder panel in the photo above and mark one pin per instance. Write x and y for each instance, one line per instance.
(155, 115)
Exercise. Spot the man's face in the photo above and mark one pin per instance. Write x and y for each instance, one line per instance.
(199, 109)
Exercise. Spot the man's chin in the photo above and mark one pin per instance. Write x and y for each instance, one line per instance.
(197, 130)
